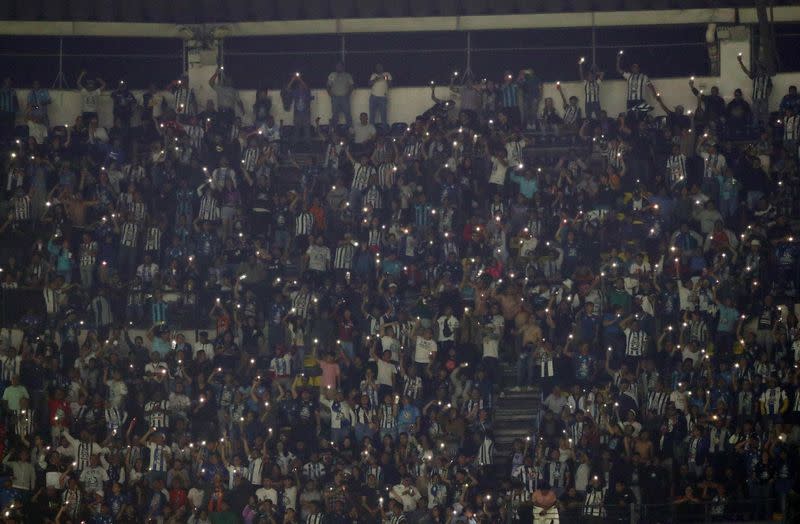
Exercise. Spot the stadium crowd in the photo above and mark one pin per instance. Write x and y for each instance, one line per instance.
(219, 325)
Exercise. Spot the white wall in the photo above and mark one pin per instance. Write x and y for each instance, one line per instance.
(405, 103)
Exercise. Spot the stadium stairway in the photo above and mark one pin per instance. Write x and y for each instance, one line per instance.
(515, 417)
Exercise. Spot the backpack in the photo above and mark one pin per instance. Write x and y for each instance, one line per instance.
(446, 331)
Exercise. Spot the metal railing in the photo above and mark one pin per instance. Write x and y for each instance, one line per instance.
(738, 510)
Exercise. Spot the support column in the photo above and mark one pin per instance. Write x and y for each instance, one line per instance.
(731, 75)
(202, 62)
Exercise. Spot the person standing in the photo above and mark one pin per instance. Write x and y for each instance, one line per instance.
(9, 106)
(301, 102)
(591, 89)
(227, 99)
(185, 101)
(340, 87)
(531, 87)
(379, 84)
(124, 103)
(509, 91)
(38, 100)
(637, 82)
(90, 95)
(762, 88)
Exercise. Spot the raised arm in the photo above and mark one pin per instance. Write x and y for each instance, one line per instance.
(619, 64)
(661, 103)
(560, 92)
(349, 155)
(580, 69)
(744, 67)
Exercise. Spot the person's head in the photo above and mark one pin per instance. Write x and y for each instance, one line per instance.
(340, 67)
(363, 118)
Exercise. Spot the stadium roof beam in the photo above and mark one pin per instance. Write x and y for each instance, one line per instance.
(406, 24)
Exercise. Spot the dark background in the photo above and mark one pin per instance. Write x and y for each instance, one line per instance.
(412, 58)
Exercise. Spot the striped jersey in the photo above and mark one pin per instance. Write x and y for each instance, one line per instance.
(386, 416)
(301, 302)
(196, 135)
(153, 239)
(657, 402)
(250, 159)
(412, 387)
(508, 94)
(88, 253)
(183, 96)
(528, 475)
(343, 258)
(486, 452)
(156, 413)
(23, 422)
(591, 91)
(373, 197)
(22, 208)
(761, 86)
(255, 468)
(209, 208)
(791, 128)
(361, 174)
(572, 113)
(375, 237)
(593, 504)
(314, 470)
(304, 223)
(129, 234)
(635, 342)
(773, 399)
(138, 211)
(714, 164)
(159, 456)
(412, 149)
(133, 173)
(636, 85)
(220, 175)
(386, 174)
(676, 169)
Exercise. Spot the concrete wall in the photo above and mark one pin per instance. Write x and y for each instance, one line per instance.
(405, 103)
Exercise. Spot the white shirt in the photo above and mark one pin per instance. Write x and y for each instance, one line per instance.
(93, 478)
(117, 389)
(491, 339)
(89, 100)
(363, 132)
(319, 257)
(263, 494)
(679, 399)
(408, 496)
(514, 149)
(453, 324)
(381, 85)
(424, 350)
(386, 370)
(498, 174)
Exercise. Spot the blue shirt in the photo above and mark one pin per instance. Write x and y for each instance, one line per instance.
(508, 94)
(160, 347)
(301, 98)
(527, 186)
(727, 319)
(407, 416)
